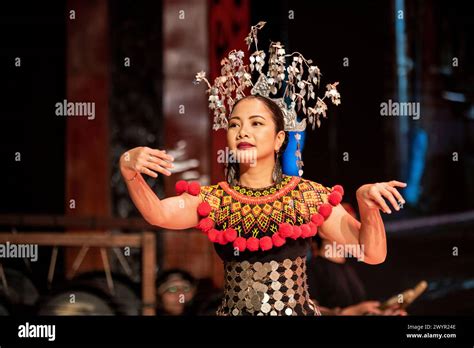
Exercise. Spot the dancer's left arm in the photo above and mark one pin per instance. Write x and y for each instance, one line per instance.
(369, 233)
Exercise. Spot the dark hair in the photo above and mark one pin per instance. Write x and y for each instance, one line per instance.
(165, 275)
(232, 172)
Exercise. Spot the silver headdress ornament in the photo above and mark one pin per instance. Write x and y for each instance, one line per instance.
(229, 87)
(299, 85)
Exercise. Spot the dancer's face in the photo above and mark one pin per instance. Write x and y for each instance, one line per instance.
(252, 122)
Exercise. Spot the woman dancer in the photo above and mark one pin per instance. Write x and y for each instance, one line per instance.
(261, 222)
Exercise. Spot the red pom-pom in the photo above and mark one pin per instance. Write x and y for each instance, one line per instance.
(253, 244)
(212, 235)
(230, 234)
(305, 231)
(204, 209)
(317, 219)
(339, 189)
(285, 230)
(278, 240)
(181, 187)
(266, 243)
(194, 188)
(205, 224)
(240, 243)
(296, 232)
(335, 198)
(221, 238)
(325, 210)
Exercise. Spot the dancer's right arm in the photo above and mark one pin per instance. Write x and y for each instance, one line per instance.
(173, 213)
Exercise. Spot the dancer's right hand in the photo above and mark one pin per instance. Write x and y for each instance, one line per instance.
(146, 161)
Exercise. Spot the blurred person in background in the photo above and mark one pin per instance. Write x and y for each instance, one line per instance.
(175, 292)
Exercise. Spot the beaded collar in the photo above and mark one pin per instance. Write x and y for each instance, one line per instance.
(243, 189)
(262, 195)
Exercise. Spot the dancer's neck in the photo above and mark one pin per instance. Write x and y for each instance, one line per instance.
(257, 176)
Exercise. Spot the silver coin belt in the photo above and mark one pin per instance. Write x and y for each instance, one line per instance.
(270, 288)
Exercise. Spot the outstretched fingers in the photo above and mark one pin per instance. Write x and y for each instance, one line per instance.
(376, 196)
(152, 161)
(397, 183)
(389, 195)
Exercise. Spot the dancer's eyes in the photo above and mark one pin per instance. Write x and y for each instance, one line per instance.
(233, 125)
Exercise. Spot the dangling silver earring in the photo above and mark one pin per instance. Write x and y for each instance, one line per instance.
(277, 171)
(230, 174)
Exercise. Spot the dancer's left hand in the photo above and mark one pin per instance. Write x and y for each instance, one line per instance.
(372, 195)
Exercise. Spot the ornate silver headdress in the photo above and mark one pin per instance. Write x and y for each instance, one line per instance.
(298, 80)
(236, 77)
